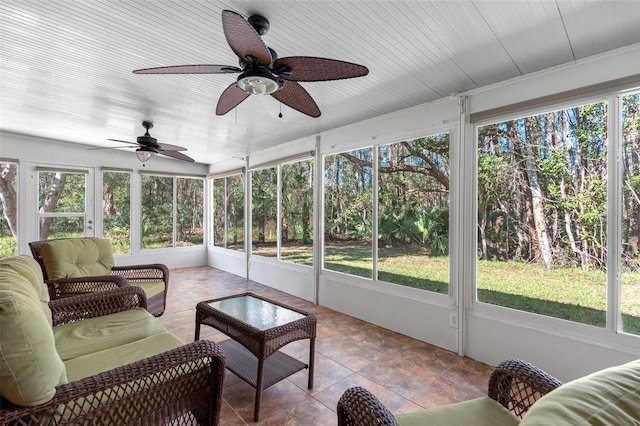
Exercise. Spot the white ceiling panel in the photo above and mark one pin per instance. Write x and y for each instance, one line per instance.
(66, 67)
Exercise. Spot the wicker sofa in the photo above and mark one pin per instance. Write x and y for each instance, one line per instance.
(516, 388)
(64, 258)
(97, 358)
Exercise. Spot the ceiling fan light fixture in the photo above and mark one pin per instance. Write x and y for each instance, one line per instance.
(258, 81)
(143, 154)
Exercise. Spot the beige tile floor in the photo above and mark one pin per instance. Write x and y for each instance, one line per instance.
(406, 374)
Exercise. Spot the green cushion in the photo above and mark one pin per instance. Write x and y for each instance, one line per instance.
(77, 257)
(606, 397)
(476, 412)
(96, 334)
(108, 359)
(28, 269)
(30, 367)
(151, 288)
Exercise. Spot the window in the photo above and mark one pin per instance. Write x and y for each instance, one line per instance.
(348, 211)
(116, 212)
(228, 212)
(264, 208)
(297, 212)
(630, 211)
(161, 225)
(61, 201)
(542, 214)
(413, 213)
(8, 208)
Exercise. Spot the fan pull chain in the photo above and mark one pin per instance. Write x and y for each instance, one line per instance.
(280, 115)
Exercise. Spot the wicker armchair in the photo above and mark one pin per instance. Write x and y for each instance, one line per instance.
(181, 386)
(137, 275)
(515, 384)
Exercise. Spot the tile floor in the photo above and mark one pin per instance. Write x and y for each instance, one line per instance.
(406, 374)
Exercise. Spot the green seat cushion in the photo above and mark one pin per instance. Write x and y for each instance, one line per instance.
(477, 412)
(30, 367)
(77, 257)
(607, 397)
(151, 288)
(23, 270)
(108, 359)
(96, 334)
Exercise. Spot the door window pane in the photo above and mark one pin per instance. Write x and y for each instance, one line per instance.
(190, 212)
(348, 210)
(542, 193)
(297, 212)
(8, 209)
(116, 210)
(630, 276)
(413, 213)
(264, 207)
(157, 212)
(61, 198)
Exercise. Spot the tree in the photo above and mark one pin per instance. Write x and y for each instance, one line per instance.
(8, 196)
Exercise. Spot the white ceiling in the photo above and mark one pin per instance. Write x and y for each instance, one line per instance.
(66, 66)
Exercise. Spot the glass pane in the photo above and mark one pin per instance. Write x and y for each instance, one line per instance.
(116, 213)
(542, 193)
(413, 218)
(256, 312)
(61, 193)
(235, 212)
(264, 207)
(8, 209)
(157, 212)
(190, 212)
(218, 211)
(348, 204)
(630, 276)
(63, 227)
(297, 212)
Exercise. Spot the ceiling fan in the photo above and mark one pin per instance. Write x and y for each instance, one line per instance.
(261, 71)
(148, 145)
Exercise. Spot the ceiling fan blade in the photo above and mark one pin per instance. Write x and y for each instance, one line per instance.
(175, 154)
(230, 98)
(307, 68)
(169, 147)
(190, 69)
(295, 96)
(243, 38)
(118, 140)
(111, 147)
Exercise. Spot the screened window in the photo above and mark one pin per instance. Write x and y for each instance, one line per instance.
(413, 213)
(297, 212)
(189, 229)
(116, 210)
(228, 212)
(542, 214)
(157, 212)
(264, 208)
(8, 208)
(630, 211)
(348, 211)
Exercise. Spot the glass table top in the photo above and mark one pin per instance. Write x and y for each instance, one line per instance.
(256, 312)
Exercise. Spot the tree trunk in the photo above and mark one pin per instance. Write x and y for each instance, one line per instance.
(49, 205)
(8, 198)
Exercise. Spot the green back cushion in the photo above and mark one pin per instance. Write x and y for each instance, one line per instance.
(607, 397)
(77, 257)
(30, 367)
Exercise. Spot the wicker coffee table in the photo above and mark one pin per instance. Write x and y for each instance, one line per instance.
(257, 328)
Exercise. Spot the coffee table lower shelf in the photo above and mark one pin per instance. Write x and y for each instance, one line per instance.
(244, 364)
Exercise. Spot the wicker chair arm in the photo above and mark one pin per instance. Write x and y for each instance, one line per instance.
(66, 287)
(517, 385)
(186, 381)
(149, 272)
(91, 305)
(359, 407)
